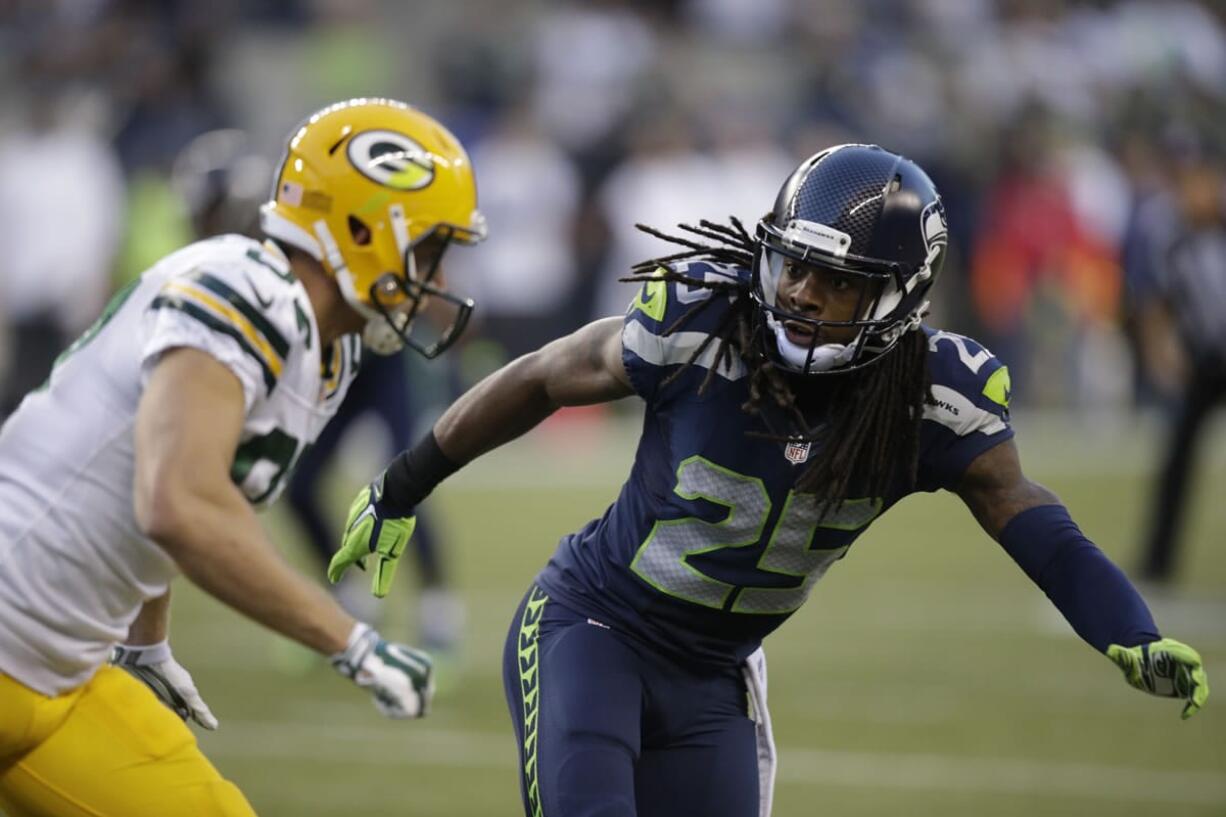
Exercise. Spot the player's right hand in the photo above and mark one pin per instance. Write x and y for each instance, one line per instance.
(371, 531)
(156, 668)
(1166, 668)
(400, 677)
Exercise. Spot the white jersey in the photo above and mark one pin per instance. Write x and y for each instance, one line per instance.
(74, 567)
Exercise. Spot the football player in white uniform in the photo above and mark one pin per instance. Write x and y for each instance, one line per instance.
(167, 423)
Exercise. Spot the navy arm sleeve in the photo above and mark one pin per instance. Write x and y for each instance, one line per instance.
(1087, 588)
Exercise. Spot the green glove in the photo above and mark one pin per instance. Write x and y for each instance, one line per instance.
(371, 530)
(1165, 668)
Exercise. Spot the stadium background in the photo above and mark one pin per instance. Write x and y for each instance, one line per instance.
(926, 676)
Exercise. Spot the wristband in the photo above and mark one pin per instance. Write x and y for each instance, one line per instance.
(414, 474)
(144, 655)
(362, 639)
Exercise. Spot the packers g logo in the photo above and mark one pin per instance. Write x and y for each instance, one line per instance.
(391, 159)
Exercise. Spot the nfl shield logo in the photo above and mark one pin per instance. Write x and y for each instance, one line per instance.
(796, 452)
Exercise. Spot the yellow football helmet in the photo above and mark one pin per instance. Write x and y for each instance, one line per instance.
(363, 183)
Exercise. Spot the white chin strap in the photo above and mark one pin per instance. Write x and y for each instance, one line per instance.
(378, 335)
(825, 357)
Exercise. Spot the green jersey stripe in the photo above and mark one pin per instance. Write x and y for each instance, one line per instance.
(285, 274)
(217, 325)
(275, 339)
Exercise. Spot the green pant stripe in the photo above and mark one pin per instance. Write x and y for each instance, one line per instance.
(217, 325)
(275, 339)
(529, 686)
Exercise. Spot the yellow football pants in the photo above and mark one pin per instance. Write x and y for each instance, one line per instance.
(106, 749)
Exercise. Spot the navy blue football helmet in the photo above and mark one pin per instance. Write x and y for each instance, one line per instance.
(856, 210)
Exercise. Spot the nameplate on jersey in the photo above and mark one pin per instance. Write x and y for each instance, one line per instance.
(797, 452)
(817, 236)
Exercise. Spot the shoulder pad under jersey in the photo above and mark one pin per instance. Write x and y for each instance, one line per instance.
(969, 384)
(239, 289)
(647, 345)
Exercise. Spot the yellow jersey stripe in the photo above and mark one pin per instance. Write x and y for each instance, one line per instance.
(270, 358)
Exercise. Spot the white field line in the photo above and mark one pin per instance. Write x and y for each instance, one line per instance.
(434, 748)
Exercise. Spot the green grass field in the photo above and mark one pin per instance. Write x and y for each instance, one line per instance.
(926, 675)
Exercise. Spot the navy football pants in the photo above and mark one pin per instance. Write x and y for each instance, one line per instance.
(609, 728)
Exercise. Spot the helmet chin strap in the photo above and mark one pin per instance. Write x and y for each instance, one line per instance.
(824, 358)
(378, 335)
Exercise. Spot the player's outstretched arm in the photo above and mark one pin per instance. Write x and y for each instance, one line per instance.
(580, 369)
(1092, 593)
(187, 431)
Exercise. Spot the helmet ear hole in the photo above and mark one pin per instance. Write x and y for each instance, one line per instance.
(358, 231)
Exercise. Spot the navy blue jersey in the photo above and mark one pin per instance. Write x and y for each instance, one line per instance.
(709, 547)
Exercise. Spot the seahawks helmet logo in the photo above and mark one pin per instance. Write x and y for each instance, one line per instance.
(932, 221)
(391, 159)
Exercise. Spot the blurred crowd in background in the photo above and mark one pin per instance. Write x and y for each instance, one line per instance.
(1075, 144)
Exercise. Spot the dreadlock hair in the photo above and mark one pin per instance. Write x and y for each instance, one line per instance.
(867, 439)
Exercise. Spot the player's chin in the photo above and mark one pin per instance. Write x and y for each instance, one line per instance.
(841, 336)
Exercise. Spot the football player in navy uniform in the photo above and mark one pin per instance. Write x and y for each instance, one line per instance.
(793, 395)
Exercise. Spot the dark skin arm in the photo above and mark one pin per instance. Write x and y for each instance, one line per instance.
(1091, 592)
(578, 370)
(586, 367)
(996, 490)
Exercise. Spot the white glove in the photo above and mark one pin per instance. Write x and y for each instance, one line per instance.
(156, 667)
(401, 678)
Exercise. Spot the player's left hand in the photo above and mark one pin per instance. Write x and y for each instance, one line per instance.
(372, 531)
(1166, 668)
(157, 669)
(400, 678)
